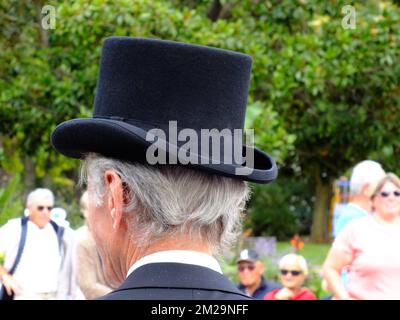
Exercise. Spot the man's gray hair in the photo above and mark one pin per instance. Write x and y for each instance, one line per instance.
(171, 200)
(38, 195)
(366, 172)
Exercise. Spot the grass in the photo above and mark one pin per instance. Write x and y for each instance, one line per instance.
(314, 253)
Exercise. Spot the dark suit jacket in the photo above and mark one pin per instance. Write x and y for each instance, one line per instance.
(264, 287)
(175, 281)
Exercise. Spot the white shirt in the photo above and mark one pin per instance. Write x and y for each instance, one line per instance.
(39, 267)
(178, 256)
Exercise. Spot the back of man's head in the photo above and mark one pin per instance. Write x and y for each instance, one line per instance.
(366, 173)
(173, 200)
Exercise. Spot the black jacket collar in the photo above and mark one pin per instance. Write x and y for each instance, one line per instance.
(177, 275)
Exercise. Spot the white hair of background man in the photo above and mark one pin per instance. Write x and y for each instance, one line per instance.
(171, 200)
(294, 259)
(365, 172)
(39, 194)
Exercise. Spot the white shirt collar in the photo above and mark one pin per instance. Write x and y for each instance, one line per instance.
(178, 256)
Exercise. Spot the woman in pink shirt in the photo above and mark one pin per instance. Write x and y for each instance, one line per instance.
(369, 248)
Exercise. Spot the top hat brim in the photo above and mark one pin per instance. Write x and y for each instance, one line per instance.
(126, 141)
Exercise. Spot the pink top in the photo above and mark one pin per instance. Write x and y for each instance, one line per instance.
(374, 273)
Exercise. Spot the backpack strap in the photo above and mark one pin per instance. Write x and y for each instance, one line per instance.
(24, 229)
(59, 232)
(22, 240)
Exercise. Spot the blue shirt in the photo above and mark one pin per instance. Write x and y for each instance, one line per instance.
(262, 290)
(348, 212)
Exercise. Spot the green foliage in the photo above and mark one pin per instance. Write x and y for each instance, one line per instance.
(75, 216)
(281, 209)
(10, 202)
(50, 76)
(315, 253)
(274, 137)
(321, 97)
(336, 91)
(340, 91)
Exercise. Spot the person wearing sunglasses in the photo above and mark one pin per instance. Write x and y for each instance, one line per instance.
(369, 247)
(364, 178)
(293, 272)
(35, 250)
(250, 270)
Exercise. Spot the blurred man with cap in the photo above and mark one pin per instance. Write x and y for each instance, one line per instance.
(252, 281)
(159, 224)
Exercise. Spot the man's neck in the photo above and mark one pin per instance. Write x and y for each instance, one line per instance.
(173, 243)
(37, 224)
(251, 289)
(362, 202)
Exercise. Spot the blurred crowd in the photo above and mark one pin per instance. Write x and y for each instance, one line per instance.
(44, 258)
(363, 262)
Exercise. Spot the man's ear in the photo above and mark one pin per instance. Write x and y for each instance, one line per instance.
(115, 197)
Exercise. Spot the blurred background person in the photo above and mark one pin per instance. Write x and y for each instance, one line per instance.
(38, 272)
(59, 216)
(340, 200)
(252, 281)
(71, 289)
(88, 264)
(364, 178)
(293, 272)
(370, 247)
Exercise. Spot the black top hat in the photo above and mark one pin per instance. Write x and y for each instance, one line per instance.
(146, 83)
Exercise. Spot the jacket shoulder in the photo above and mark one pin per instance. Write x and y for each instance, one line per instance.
(172, 294)
(176, 281)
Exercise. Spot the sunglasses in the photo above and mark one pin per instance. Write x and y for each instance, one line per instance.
(41, 208)
(294, 273)
(249, 267)
(385, 194)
